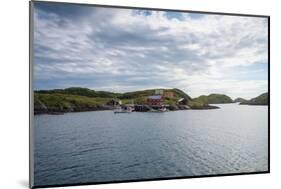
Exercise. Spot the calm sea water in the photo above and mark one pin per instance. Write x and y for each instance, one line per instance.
(102, 146)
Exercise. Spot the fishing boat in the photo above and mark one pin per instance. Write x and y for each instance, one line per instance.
(124, 109)
(162, 109)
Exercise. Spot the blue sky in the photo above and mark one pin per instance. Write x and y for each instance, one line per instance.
(124, 50)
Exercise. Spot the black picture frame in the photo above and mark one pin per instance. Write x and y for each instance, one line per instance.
(31, 113)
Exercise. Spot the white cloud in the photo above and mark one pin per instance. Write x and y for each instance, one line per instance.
(119, 50)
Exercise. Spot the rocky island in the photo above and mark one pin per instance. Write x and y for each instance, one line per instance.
(76, 99)
(259, 100)
(214, 99)
(239, 99)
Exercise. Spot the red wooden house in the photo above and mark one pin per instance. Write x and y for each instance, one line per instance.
(155, 100)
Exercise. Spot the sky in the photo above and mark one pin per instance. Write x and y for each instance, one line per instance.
(123, 50)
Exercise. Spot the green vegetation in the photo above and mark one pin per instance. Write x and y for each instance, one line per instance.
(81, 92)
(83, 99)
(104, 94)
(213, 99)
(62, 100)
(145, 93)
(179, 93)
(198, 105)
(137, 94)
(259, 100)
(56, 102)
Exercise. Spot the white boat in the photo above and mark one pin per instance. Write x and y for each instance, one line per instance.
(125, 109)
(163, 109)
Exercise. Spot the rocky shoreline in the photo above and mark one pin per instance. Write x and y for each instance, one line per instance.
(57, 111)
(144, 108)
(261, 100)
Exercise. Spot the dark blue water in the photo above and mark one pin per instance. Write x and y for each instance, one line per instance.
(103, 146)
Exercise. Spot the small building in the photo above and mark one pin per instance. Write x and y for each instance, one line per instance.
(159, 92)
(155, 100)
(169, 94)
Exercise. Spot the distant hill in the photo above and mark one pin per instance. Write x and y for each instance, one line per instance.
(213, 99)
(104, 94)
(136, 94)
(240, 100)
(259, 100)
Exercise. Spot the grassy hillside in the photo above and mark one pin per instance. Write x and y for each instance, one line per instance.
(67, 103)
(259, 100)
(213, 99)
(81, 92)
(104, 94)
(144, 93)
(83, 99)
(138, 97)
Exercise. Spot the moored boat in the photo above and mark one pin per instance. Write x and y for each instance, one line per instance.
(162, 109)
(124, 109)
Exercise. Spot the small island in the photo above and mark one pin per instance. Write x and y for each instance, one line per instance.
(259, 100)
(239, 100)
(76, 99)
(214, 99)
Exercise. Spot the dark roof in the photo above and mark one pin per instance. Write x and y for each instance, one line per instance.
(155, 97)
